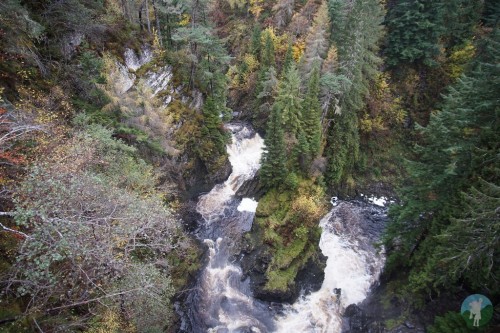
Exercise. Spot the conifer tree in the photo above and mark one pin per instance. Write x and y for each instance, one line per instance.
(460, 18)
(301, 152)
(274, 162)
(316, 41)
(287, 62)
(358, 64)
(337, 11)
(267, 55)
(414, 28)
(459, 154)
(211, 146)
(255, 42)
(265, 93)
(311, 114)
(289, 101)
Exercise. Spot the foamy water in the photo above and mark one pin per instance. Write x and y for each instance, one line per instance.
(222, 301)
(349, 267)
(244, 155)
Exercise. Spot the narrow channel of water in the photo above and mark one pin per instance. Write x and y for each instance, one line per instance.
(222, 300)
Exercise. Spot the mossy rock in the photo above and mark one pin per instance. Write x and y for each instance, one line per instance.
(286, 225)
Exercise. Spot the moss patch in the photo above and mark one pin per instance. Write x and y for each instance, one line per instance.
(287, 222)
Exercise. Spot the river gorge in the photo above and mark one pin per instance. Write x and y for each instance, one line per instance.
(222, 299)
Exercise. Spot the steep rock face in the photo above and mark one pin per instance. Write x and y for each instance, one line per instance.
(384, 311)
(145, 93)
(251, 189)
(199, 180)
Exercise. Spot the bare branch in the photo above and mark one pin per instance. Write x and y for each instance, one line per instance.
(4, 228)
(99, 298)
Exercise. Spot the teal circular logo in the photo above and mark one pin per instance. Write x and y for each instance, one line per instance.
(477, 310)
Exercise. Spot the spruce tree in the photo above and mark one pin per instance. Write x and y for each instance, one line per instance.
(301, 153)
(414, 28)
(273, 171)
(289, 101)
(311, 115)
(267, 55)
(316, 41)
(255, 41)
(265, 93)
(458, 154)
(337, 14)
(358, 65)
(212, 144)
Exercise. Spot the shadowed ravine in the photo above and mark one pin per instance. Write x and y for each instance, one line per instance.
(222, 301)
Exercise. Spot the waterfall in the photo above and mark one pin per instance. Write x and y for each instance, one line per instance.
(349, 231)
(221, 300)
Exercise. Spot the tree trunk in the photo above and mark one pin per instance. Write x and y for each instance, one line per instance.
(148, 22)
(125, 10)
(194, 51)
(158, 26)
(140, 15)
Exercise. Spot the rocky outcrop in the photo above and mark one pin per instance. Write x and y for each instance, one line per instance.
(359, 320)
(251, 189)
(255, 258)
(201, 181)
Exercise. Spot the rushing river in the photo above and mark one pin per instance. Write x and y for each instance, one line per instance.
(221, 301)
(349, 231)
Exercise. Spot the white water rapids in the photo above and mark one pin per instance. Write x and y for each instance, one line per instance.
(222, 300)
(353, 266)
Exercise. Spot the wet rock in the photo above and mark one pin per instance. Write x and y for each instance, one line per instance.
(356, 319)
(310, 278)
(409, 325)
(70, 43)
(201, 181)
(189, 216)
(251, 189)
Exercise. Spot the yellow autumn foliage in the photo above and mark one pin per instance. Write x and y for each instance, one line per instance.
(458, 60)
(256, 7)
(298, 49)
(280, 42)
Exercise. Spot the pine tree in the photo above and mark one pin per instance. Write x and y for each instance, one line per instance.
(274, 170)
(311, 115)
(289, 101)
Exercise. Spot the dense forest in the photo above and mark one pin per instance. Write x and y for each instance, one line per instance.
(112, 118)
